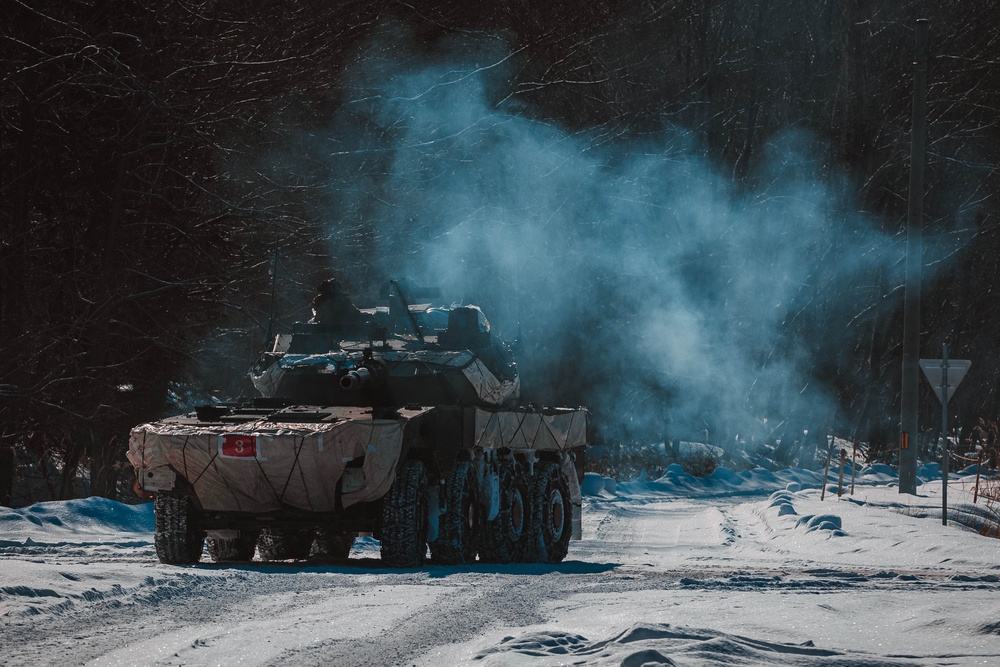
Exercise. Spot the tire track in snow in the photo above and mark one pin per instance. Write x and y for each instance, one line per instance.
(175, 600)
(468, 608)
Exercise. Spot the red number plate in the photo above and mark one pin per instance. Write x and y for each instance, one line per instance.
(239, 445)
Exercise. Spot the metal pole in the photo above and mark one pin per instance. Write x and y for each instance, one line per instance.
(914, 269)
(979, 467)
(840, 478)
(854, 464)
(944, 434)
(826, 472)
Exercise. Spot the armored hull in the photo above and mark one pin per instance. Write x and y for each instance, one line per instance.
(414, 437)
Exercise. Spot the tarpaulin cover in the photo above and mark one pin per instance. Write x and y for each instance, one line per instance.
(557, 430)
(490, 388)
(261, 466)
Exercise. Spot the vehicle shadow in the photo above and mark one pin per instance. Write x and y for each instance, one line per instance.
(375, 566)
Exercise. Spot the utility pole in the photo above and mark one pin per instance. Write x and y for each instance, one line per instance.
(914, 271)
(944, 434)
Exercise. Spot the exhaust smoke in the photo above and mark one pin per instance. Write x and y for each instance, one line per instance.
(643, 282)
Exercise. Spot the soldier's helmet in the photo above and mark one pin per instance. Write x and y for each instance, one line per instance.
(329, 286)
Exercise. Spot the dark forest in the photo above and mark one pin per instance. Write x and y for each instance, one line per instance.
(691, 213)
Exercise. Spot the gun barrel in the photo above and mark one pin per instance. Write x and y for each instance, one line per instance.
(357, 379)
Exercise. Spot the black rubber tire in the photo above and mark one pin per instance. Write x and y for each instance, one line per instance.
(177, 535)
(459, 523)
(285, 543)
(238, 549)
(504, 539)
(404, 518)
(551, 515)
(333, 543)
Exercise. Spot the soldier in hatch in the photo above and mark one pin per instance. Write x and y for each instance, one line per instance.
(332, 307)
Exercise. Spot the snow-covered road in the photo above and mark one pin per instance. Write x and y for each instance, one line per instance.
(660, 579)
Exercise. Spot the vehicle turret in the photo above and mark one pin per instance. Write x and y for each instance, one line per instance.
(393, 355)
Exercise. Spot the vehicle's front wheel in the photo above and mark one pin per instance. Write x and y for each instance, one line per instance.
(456, 542)
(177, 535)
(551, 515)
(404, 518)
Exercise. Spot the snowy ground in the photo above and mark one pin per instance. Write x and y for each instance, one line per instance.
(677, 571)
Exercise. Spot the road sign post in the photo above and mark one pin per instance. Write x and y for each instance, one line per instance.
(944, 434)
(944, 377)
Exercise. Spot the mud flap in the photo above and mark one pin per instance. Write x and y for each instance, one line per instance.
(490, 493)
(576, 497)
(433, 512)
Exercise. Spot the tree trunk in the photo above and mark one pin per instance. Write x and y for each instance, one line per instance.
(6, 475)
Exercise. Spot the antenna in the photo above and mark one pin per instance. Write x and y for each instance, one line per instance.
(274, 280)
(406, 309)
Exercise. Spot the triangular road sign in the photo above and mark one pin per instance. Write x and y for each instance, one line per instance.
(934, 372)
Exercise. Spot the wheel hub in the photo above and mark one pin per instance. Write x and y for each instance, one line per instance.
(557, 513)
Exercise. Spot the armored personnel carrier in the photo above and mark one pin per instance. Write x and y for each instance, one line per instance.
(400, 421)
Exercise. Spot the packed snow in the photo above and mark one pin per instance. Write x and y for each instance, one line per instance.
(749, 568)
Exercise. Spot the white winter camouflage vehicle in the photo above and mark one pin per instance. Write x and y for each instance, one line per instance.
(398, 421)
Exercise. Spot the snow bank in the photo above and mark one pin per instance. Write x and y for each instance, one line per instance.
(596, 485)
(662, 644)
(92, 520)
(725, 482)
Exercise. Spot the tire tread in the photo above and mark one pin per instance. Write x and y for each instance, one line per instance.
(404, 518)
(177, 535)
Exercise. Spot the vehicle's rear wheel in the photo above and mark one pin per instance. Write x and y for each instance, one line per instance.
(456, 542)
(503, 539)
(236, 549)
(404, 518)
(178, 536)
(333, 543)
(551, 515)
(284, 543)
